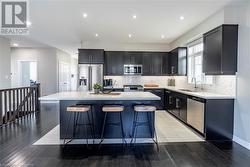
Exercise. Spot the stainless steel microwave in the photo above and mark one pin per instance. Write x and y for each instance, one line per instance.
(132, 69)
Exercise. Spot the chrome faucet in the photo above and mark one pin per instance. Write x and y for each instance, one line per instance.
(195, 82)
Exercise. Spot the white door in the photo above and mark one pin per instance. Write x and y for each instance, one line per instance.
(64, 77)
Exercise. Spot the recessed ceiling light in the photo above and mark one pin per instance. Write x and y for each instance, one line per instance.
(28, 23)
(85, 15)
(96, 35)
(181, 17)
(130, 35)
(162, 36)
(134, 16)
(15, 44)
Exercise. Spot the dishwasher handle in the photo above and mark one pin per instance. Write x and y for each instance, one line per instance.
(197, 99)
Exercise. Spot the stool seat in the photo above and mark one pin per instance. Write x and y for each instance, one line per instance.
(112, 108)
(79, 108)
(144, 108)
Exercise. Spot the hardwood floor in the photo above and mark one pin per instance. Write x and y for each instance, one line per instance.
(16, 149)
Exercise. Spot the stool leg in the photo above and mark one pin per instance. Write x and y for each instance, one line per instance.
(91, 127)
(150, 124)
(74, 125)
(123, 135)
(156, 138)
(67, 128)
(134, 128)
(153, 129)
(93, 124)
(133, 123)
(103, 127)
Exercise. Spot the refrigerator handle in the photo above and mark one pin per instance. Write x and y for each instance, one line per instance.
(90, 78)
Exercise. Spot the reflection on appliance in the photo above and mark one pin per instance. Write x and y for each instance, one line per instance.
(133, 88)
(89, 74)
(130, 69)
(107, 82)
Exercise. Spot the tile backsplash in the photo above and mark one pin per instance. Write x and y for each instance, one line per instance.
(222, 84)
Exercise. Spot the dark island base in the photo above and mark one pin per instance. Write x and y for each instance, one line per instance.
(111, 131)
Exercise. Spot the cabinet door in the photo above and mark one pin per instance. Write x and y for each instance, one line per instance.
(165, 64)
(84, 56)
(182, 61)
(136, 57)
(212, 52)
(173, 62)
(126, 58)
(133, 58)
(183, 109)
(97, 56)
(114, 63)
(146, 62)
(156, 61)
(170, 101)
(91, 56)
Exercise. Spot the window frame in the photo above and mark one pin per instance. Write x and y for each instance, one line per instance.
(204, 79)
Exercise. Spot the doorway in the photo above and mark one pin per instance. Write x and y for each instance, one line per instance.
(27, 73)
(64, 77)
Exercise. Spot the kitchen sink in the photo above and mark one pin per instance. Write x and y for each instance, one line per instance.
(188, 90)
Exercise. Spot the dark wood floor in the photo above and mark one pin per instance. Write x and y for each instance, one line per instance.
(16, 149)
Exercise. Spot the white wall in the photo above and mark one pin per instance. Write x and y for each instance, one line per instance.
(196, 32)
(46, 63)
(235, 13)
(5, 78)
(240, 14)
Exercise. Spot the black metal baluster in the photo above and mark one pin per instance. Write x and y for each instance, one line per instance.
(5, 107)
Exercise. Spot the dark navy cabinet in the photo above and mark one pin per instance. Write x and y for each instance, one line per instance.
(178, 61)
(114, 61)
(133, 57)
(90, 56)
(220, 50)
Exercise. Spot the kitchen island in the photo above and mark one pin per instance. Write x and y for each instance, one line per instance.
(127, 99)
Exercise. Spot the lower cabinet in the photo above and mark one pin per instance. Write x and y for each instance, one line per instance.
(161, 94)
(176, 104)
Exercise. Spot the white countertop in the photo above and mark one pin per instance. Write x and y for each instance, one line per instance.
(88, 96)
(200, 94)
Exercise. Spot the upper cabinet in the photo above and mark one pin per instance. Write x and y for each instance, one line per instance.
(132, 57)
(178, 61)
(114, 61)
(90, 56)
(220, 50)
(153, 63)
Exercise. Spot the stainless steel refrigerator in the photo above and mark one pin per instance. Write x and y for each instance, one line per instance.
(90, 74)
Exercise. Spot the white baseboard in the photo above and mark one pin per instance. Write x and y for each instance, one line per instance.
(47, 102)
(241, 142)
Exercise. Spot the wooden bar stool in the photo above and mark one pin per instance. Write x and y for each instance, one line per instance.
(108, 109)
(76, 110)
(146, 109)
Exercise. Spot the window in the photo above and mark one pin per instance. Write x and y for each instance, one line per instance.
(195, 54)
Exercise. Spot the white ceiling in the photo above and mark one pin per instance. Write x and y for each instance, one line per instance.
(60, 24)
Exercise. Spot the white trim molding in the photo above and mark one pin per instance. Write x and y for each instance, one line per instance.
(241, 142)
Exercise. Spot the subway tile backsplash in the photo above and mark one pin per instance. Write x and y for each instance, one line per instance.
(222, 84)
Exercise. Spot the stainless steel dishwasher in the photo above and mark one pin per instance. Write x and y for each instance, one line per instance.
(195, 113)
